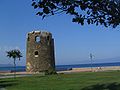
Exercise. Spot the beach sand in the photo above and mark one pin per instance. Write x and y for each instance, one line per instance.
(17, 73)
(93, 69)
(73, 70)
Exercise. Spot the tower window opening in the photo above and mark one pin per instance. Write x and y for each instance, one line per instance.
(37, 39)
(48, 38)
(36, 53)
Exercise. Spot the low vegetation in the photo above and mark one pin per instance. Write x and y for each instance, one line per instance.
(76, 81)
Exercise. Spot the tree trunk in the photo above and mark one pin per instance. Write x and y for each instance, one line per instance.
(14, 68)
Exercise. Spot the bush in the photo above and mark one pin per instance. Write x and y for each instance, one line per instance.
(50, 72)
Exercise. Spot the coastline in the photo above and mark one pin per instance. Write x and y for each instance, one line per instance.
(73, 70)
(93, 69)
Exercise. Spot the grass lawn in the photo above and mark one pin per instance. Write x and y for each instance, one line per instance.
(76, 81)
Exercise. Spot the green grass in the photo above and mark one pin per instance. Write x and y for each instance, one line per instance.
(76, 81)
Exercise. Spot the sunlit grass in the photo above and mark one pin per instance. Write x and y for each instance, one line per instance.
(75, 81)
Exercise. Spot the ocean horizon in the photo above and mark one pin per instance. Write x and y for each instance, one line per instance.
(63, 67)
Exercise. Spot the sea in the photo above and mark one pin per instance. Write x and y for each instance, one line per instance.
(62, 67)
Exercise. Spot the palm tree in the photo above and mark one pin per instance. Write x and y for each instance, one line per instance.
(15, 54)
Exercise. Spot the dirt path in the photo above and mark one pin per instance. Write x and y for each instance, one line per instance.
(3, 89)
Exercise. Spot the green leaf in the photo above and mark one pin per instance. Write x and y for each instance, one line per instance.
(46, 10)
(35, 6)
(33, 3)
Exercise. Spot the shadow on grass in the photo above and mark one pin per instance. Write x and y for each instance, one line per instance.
(7, 83)
(108, 86)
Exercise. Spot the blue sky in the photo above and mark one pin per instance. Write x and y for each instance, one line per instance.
(73, 42)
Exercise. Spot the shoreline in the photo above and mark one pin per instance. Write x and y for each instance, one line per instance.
(93, 69)
(73, 70)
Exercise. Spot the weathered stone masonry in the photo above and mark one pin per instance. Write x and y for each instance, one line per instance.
(40, 52)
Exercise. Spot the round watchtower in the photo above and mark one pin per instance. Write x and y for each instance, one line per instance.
(40, 52)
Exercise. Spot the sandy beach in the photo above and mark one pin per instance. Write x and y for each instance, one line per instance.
(93, 69)
(73, 70)
(17, 73)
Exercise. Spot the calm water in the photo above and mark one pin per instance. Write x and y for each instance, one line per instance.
(64, 67)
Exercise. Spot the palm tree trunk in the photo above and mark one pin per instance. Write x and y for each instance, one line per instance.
(91, 65)
(14, 68)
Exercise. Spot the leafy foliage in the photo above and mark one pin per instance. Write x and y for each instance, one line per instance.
(50, 72)
(99, 12)
(14, 54)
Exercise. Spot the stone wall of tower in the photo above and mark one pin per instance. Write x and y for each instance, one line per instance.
(40, 52)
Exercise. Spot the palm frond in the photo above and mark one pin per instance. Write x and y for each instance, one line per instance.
(14, 54)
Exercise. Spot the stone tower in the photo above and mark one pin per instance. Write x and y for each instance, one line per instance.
(40, 52)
